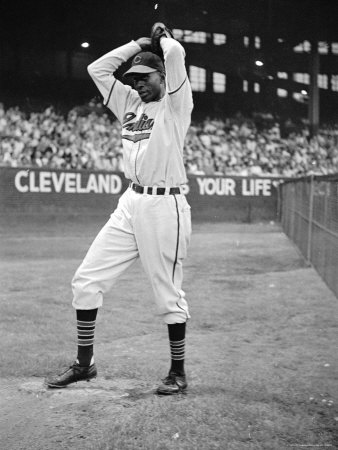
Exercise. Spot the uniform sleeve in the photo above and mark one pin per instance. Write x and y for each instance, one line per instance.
(115, 94)
(178, 85)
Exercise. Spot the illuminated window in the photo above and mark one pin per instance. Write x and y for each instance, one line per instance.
(178, 34)
(303, 47)
(301, 78)
(334, 83)
(257, 42)
(197, 78)
(219, 82)
(257, 88)
(246, 41)
(219, 39)
(334, 48)
(323, 48)
(282, 92)
(323, 81)
(197, 37)
(282, 75)
(245, 86)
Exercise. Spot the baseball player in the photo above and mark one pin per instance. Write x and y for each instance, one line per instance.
(152, 219)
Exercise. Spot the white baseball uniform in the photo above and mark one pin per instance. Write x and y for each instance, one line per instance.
(156, 228)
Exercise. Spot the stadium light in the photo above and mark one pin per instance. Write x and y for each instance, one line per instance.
(85, 44)
(259, 63)
(303, 92)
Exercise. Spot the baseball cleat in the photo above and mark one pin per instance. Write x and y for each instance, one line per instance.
(73, 374)
(172, 384)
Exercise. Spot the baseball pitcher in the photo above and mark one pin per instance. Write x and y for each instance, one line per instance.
(152, 220)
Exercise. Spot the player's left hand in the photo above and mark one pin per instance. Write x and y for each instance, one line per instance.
(144, 43)
(158, 31)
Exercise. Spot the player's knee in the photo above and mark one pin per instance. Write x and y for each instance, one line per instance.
(86, 293)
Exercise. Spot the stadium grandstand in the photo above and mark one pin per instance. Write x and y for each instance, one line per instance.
(264, 76)
(277, 56)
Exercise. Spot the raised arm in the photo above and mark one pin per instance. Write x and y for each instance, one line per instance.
(115, 94)
(174, 56)
(178, 85)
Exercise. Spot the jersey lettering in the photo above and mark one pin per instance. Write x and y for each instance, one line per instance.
(144, 123)
(128, 116)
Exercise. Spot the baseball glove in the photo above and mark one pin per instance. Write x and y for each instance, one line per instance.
(159, 30)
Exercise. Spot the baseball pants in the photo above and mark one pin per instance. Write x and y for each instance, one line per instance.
(154, 228)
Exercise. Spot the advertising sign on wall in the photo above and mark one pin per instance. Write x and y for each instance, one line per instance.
(82, 192)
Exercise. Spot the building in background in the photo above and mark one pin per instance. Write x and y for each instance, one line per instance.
(276, 56)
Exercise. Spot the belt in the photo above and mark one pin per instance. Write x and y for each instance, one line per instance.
(154, 190)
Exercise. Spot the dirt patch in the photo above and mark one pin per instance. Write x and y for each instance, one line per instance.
(39, 418)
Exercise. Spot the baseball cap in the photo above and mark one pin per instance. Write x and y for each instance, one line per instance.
(145, 62)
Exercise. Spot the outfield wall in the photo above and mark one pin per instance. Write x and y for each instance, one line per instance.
(75, 192)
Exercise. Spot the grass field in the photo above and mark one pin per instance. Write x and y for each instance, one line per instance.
(261, 346)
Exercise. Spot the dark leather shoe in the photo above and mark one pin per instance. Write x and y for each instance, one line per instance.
(72, 375)
(172, 384)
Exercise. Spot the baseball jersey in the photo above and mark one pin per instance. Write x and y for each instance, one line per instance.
(152, 133)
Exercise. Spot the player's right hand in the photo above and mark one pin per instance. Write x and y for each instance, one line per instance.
(144, 43)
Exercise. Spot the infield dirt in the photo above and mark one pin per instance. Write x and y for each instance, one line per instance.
(261, 346)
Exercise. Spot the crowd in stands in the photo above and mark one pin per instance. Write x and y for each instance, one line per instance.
(90, 139)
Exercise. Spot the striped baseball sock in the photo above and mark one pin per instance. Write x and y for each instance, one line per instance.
(177, 347)
(85, 336)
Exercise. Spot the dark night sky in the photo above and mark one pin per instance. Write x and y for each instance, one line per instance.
(60, 23)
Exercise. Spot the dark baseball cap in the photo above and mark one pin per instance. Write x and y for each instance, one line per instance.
(145, 62)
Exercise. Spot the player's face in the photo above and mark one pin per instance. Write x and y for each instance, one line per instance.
(150, 86)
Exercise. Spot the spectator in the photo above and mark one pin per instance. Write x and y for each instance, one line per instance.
(88, 139)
